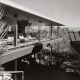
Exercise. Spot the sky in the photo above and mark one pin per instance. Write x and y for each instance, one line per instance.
(66, 12)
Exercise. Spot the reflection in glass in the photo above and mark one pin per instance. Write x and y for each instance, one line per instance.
(33, 32)
(54, 32)
(45, 32)
(29, 31)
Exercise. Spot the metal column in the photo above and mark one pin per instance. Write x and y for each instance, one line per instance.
(15, 31)
(51, 36)
(39, 30)
(57, 38)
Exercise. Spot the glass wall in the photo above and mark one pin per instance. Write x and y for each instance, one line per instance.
(54, 32)
(32, 30)
(45, 32)
(7, 33)
(29, 31)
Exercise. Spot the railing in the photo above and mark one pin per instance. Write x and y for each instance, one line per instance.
(17, 51)
(3, 43)
(3, 29)
(2, 25)
(4, 33)
(2, 9)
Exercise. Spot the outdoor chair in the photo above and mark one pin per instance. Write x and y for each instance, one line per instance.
(26, 39)
(10, 40)
(21, 38)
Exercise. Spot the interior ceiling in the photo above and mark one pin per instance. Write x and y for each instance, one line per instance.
(30, 15)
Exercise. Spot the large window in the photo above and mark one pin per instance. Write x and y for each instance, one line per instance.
(45, 32)
(6, 32)
(54, 32)
(33, 30)
(29, 31)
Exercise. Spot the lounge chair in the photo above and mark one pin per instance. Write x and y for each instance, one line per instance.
(10, 40)
(22, 39)
(26, 39)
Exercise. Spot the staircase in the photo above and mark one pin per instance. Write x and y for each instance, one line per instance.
(4, 33)
(2, 9)
(3, 30)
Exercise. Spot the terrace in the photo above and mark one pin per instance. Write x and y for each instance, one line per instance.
(30, 39)
(21, 29)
